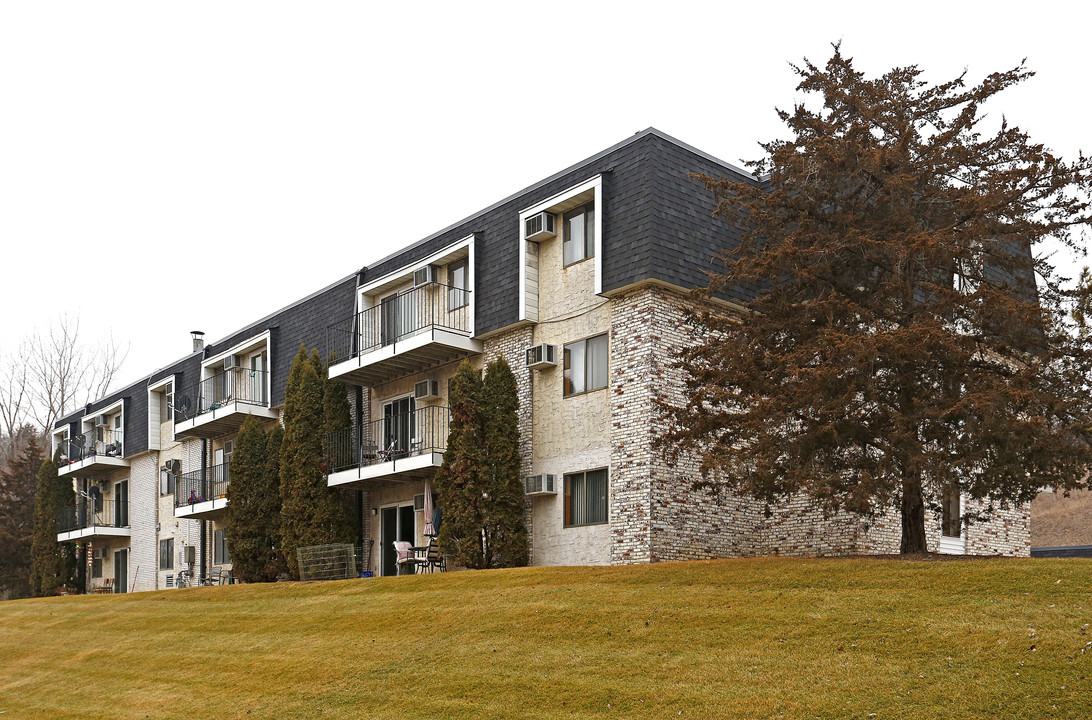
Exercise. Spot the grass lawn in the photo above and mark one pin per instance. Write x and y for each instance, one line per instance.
(756, 638)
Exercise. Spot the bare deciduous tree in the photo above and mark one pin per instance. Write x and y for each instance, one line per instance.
(53, 372)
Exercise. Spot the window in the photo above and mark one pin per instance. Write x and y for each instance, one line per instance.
(586, 365)
(579, 234)
(220, 548)
(457, 296)
(586, 498)
(165, 402)
(166, 554)
(96, 568)
(950, 513)
(166, 482)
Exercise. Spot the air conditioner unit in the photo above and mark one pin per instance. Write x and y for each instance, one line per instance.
(102, 421)
(174, 467)
(541, 356)
(539, 227)
(229, 363)
(426, 390)
(99, 553)
(541, 484)
(424, 276)
(419, 502)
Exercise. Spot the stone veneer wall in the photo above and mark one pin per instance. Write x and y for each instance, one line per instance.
(512, 346)
(657, 515)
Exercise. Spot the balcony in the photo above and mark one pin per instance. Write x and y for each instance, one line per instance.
(218, 405)
(202, 494)
(405, 333)
(93, 518)
(400, 448)
(95, 453)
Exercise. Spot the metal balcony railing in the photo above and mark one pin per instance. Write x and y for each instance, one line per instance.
(398, 317)
(104, 442)
(90, 513)
(202, 485)
(241, 385)
(393, 438)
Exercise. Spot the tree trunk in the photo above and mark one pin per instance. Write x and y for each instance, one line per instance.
(913, 517)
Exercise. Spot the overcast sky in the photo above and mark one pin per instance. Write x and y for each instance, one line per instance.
(166, 167)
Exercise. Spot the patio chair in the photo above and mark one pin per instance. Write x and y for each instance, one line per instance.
(407, 557)
(388, 454)
(214, 576)
(432, 557)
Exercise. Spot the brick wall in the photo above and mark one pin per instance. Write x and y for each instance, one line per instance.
(657, 515)
(143, 516)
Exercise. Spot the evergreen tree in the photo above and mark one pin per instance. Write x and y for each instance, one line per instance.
(17, 493)
(311, 512)
(912, 335)
(505, 533)
(459, 481)
(253, 513)
(338, 425)
(51, 563)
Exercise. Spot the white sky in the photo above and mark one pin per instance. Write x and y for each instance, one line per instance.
(174, 166)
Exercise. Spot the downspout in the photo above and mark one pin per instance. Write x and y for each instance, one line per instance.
(359, 432)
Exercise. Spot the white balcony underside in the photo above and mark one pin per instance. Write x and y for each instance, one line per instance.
(94, 465)
(94, 531)
(222, 420)
(403, 470)
(205, 510)
(428, 348)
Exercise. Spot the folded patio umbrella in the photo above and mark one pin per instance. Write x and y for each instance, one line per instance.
(430, 527)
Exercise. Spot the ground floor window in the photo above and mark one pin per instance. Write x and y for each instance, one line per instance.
(219, 548)
(96, 568)
(586, 498)
(950, 513)
(166, 554)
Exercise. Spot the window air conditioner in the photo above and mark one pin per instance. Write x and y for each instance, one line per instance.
(541, 484)
(539, 227)
(98, 553)
(541, 356)
(426, 390)
(424, 276)
(419, 502)
(102, 421)
(174, 467)
(229, 363)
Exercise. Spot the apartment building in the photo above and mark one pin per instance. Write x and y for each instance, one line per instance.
(578, 281)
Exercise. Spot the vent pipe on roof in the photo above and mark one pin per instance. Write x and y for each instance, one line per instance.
(198, 339)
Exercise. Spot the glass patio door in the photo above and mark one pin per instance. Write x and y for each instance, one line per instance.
(121, 571)
(257, 379)
(121, 504)
(396, 523)
(398, 426)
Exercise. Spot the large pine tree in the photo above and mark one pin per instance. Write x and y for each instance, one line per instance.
(459, 485)
(253, 513)
(338, 422)
(311, 512)
(17, 491)
(478, 485)
(899, 346)
(51, 563)
(504, 530)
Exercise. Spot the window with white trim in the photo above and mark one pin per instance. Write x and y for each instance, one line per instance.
(457, 296)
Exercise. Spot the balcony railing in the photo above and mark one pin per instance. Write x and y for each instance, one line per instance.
(101, 442)
(93, 513)
(393, 438)
(202, 485)
(238, 385)
(400, 316)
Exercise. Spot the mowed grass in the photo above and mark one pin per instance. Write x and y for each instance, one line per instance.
(755, 638)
